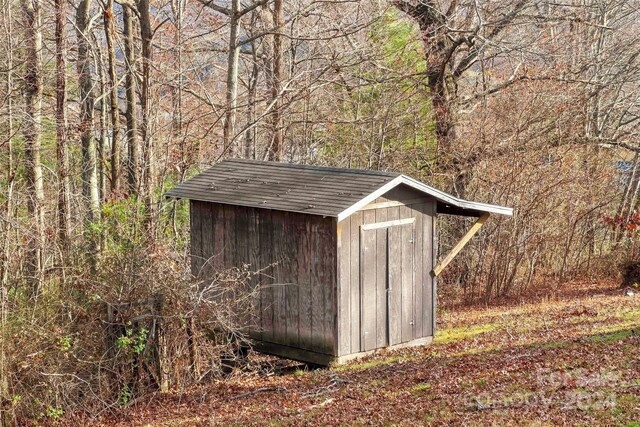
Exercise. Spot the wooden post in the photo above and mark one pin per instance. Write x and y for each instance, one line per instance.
(461, 244)
(193, 348)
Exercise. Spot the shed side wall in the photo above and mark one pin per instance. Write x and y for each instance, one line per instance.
(296, 257)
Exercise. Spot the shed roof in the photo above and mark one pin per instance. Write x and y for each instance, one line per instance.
(314, 190)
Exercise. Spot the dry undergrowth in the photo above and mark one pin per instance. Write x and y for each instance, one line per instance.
(570, 360)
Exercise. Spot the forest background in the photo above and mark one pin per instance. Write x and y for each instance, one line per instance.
(105, 105)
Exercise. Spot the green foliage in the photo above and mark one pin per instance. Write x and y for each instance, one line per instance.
(391, 97)
(133, 342)
(125, 396)
(121, 225)
(399, 41)
(53, 413)
(64, 343)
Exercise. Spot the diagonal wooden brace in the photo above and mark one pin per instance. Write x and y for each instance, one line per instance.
(461, 244)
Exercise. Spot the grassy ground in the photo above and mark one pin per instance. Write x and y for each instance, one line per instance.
(574, 360)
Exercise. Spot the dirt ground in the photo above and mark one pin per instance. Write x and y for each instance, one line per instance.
(570, 356)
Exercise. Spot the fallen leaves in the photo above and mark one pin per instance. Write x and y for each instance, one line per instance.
(571, 361)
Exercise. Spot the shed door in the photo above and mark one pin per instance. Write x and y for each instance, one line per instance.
(387, 284)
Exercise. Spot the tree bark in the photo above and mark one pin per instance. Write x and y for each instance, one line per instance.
(90, 190)
(109, 33)
(232, 80)
(6, 226)
(103, 146)
(62, 153)
(249, 134)
(133, 163)
(146, 34)
(33, 141)
(277, 144)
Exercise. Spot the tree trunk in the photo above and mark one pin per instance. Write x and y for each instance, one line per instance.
(109, 33)
(103, 147)
(146, 34)
(6, 226)
(249, 134)
(33, 141)
(178, 7)
(133, 163)
(62, 153)
(90, 191)
(232, 80)
(277, 144)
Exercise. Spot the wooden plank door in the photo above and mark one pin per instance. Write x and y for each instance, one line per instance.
(400, 283)
(387, 285)
(373, 304)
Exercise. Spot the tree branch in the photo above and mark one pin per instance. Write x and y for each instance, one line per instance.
(220, 9)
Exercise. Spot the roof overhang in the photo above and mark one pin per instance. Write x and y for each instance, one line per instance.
(448, 204)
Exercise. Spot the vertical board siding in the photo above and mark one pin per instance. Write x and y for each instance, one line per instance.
(217, 213)
(434, 279)
(395, 285)
(354, 282)
(253, 261)
(418, 306)
(242, 237)
(325, 285)
(206, 224)
(427, 278)
(303, 229)
(395, 279)
(229, 231)
(329, 284)
(409, 304)
(291, 288)
(279, 278)
(196, 237)
(381, 280)
(368, 276)
(267, 276)
(407, 294)
(344, 289)
(320, 304)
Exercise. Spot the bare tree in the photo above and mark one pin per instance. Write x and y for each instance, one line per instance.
(277, 77)
(133, 162)
(90, 189)
(146, 35)
(235, 13)
(62, 153)
(457, 36)
(109, 35)
(7, 13)
(33, 141)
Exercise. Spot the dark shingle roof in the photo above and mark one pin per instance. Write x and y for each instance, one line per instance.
(282, 186)
(313, 190)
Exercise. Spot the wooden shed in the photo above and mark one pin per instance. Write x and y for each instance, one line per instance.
(348, 257)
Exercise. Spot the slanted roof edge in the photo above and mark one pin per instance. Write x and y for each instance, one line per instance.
(437, 194)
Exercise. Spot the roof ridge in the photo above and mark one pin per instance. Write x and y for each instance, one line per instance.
(314, 167)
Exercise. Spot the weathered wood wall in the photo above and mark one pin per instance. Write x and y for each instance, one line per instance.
(296, 257)
(363, 282)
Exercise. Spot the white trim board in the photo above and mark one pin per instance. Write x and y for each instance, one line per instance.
(437, 194)
(385, 224)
